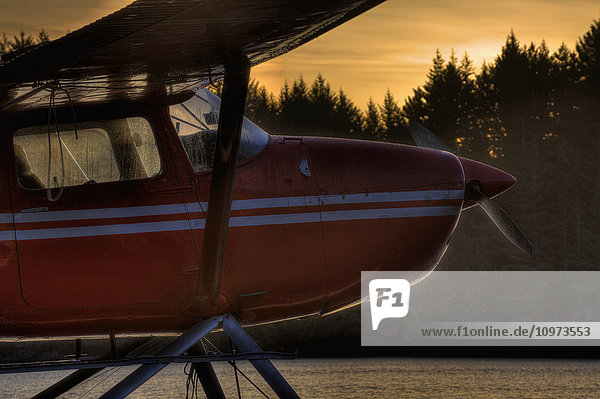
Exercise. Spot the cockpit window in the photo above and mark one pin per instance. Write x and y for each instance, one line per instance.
(102, 151)
(196, 122)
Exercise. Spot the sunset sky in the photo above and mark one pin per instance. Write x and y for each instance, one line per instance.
(390, 46)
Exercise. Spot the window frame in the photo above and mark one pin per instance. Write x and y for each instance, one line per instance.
(152, 118)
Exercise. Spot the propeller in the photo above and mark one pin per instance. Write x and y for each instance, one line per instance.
(500, 218)
(426, 138)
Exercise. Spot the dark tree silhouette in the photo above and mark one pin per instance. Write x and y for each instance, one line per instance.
(21, 41)
(467, 78)
(433, 96)
(294, 107)
(372, 127)
(588, 51)
(261, 106)
(391, 118)
(415, 106)
(511, 73)
(421, 104)
(4, 44)
(43, 36)
(445, 101)
(540, 66)
(347, 117)
(322, 106)
(563, 68)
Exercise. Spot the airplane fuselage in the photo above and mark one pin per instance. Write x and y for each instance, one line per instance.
(308, 215)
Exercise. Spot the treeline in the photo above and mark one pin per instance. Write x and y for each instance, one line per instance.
(458, 103)
(21, 41)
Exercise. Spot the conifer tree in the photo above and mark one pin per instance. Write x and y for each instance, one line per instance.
(320, 92)
(415, 106)
(436, 72)
(348, 118)
(540, 64)
(42, 37)
(443, 95)
(466, 72)
(294, 107)
(372, 127)
(322, 106)
(484, 82)
(299, 92)
(420, 105)
(260, 106)
(21, 41)
(588, 52)
(511, 69)
(466, 69)
(391, 117)
(563, 67)
(4, 44)
(284, 93)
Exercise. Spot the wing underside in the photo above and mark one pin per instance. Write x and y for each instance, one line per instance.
(164, 49)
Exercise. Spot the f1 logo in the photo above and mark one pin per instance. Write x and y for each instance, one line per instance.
(389, 298)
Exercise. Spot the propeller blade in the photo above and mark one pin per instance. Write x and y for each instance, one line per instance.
(501, 219)
(425, 137)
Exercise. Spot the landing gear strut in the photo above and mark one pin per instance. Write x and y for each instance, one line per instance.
(172, 353)
(208, 379)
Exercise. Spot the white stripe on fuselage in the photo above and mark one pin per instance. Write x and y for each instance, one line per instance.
(257, 203)
(235, 221)
(106, 213)
(340, 199)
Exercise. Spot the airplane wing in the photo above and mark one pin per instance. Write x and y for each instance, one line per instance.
(163, 50)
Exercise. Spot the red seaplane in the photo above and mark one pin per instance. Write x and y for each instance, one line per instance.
(134, 201)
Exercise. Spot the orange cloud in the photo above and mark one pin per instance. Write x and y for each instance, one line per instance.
(390, 46)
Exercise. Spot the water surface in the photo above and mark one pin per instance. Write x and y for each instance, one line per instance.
(360, 378)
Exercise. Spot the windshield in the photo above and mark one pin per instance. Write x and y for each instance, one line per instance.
(196, 122)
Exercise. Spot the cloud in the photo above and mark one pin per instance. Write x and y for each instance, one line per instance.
(390, 46)
(55, 16)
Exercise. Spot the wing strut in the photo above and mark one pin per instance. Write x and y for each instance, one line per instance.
(231, 117)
